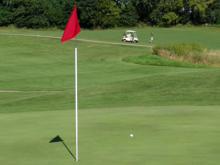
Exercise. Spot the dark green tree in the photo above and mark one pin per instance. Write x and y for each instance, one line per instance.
(167, 13)
(144, 8)
(87, 13)
(169, 19)
(217, 12)
(199, 10)
(5, 13)
(29, 13)
(108, 13)
(58, 11)
(98, 13)
(213, 13)
(128, 13)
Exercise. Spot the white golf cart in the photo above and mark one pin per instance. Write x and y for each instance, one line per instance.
(130, 36)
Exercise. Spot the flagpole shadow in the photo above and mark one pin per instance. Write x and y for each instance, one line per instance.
(67, 148)
(58, 139)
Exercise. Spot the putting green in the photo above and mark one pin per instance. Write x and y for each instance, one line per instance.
(162, 135)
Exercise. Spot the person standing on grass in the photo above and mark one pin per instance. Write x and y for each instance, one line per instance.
(151, 38)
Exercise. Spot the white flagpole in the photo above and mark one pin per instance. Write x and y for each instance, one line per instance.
(76, 106)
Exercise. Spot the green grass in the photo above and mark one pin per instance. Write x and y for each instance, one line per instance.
(162, 135)
(172, 111)
(159, 61)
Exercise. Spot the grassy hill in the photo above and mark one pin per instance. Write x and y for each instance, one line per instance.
(172, 111)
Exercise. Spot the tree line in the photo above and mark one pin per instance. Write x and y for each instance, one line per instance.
(108, 13)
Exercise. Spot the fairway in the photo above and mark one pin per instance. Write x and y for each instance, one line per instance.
(173, 112)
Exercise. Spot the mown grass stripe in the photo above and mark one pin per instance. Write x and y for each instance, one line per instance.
(82, 40)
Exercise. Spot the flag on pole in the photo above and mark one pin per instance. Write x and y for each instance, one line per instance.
(72, 27)
(71, 31)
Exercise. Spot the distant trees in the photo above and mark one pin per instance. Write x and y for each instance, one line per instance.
(35, 13)
(108, 13)
(144, 8)
(167, 13)
(172, 12)
(29, 14)
(5, 14)
(98, 13)
(214, 13)
(128, 13)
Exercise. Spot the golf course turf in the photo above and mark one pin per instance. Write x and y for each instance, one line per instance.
(173, 112)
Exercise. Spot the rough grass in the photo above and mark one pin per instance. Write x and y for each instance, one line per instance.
(191, 53)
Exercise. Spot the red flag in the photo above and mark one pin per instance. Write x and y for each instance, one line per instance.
(72, 27)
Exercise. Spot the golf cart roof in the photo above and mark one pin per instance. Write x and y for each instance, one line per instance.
(130, 31)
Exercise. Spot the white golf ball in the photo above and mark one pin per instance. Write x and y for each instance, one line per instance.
(131, 135)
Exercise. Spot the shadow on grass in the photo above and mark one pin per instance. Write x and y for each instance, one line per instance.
(58, 139)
